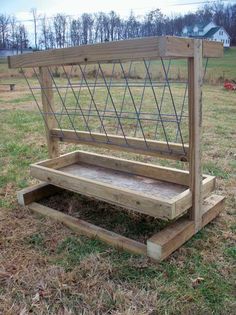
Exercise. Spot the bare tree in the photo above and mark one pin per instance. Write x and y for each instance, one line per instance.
(13, 27)
(60, 24)
(115, 25)
(47, 38)
(75, 32)
(63, 31)
(4, 28)
(87, 28)
(21, 38)
(131, 27)
(35, 19)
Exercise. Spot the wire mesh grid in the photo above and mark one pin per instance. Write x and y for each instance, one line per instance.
(147, 99)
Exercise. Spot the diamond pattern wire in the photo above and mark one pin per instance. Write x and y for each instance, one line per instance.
(145, 100)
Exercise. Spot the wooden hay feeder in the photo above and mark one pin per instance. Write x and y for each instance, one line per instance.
(91, 113)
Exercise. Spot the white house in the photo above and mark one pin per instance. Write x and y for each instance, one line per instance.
(209, 31)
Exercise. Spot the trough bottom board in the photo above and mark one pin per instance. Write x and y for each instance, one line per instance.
(158, 247)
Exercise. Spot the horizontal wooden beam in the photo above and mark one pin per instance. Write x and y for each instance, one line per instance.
(36, 193)
(132, 49)
(90, 230)
(162, 244)
(180, 203)
(135, 145)
(158, 247)
(155, 206)
(183, 200)
(171, 175)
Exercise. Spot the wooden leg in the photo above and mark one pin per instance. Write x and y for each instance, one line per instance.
(36, 193)
(48, 109)
(195, 133)
(162, 244)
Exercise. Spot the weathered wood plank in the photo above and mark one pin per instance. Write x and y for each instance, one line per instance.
(195, 132)
(136, 145)
(167, 174)
(212, 206)
(48, 109)
(183, 200)
(162, 244)
(124, 197)
(171, 238)
(159, 246)
(212, 49)
(60, 161)
(36, 193)
(131, 49)
(90, 230)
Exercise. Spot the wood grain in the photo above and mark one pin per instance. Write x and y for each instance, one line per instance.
(195, 133)
(138, 201)
(173, 236)
(90, 230)
(131, 49)
(36, 193)
(135, 145)
(48, 109)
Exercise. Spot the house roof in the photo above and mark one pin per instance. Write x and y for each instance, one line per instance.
(212, 31)
(200, 26)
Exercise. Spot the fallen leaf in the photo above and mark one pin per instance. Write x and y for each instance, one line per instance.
(23, 312)
(36, 298)
(196, 281)
(4, 276)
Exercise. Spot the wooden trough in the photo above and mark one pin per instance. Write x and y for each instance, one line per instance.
(160, 192)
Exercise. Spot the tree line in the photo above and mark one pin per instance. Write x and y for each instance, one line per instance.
(64, 31)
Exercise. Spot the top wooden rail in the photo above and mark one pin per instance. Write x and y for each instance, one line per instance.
(132, 49)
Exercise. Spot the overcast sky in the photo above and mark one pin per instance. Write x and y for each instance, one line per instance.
(21, 8)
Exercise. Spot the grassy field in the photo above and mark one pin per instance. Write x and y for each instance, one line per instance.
(47, 269)
(218, 69)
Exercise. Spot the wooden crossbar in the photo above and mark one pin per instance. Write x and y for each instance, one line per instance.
(131, 49)
(150, 147)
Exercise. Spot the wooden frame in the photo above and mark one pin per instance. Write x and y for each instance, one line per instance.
(194, 188)
(158, 247)
(55, 171)
(47, 104)
(132, 49)
(155, 148)
(195, 132)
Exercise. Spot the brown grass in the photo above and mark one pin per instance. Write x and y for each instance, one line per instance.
(47, 269)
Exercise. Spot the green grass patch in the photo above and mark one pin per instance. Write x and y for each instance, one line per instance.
(213, 169)
(171, 282)
(231, 252)
(73, 249)
(36, 241)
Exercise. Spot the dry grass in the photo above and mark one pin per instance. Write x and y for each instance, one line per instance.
(47, 269)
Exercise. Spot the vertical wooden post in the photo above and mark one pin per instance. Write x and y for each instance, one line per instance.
(195, 132)
(47, 105)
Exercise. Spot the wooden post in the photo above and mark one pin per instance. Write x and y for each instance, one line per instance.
(47, 105)
(195, 132)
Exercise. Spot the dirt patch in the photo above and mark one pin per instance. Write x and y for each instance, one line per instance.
(119, 220)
